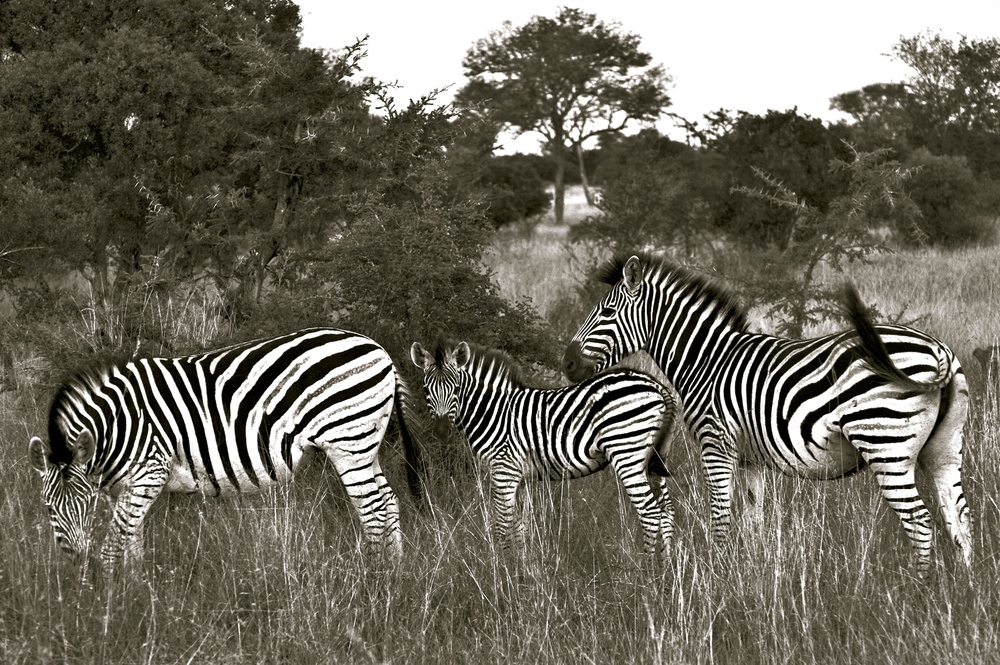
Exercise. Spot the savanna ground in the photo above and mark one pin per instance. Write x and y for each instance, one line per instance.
(820, 575)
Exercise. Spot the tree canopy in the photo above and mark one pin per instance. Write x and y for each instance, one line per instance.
(568, 78)
(949, 104)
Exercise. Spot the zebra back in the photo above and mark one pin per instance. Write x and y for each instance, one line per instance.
(228, 417)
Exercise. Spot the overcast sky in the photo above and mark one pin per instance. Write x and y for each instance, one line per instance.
(739, 55)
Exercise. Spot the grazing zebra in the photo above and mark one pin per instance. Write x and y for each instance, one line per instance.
(236, 419)
(620, 417)
(879, 396)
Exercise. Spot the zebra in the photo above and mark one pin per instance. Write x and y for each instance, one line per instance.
(620, 417)
(236, 419)
(885, 397)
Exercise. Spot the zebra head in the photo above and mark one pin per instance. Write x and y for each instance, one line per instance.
(615, 328)
(66, 490)
(443, 372)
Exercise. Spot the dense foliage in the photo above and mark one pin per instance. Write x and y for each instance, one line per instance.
(159, 157)
(943, 121)
(654, 191)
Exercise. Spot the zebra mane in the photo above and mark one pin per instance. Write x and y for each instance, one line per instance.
(503, 364)
(86, 379)
(698, 285)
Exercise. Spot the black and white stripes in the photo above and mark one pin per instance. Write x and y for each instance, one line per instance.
(233, 420)
(621, 418)
(884, 397)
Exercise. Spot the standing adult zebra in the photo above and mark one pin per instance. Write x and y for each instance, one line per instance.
(882, 396)
(620, 417)
(232, 420)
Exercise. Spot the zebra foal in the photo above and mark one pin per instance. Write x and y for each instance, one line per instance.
(237, 419)
(620, 418)
(885, 397)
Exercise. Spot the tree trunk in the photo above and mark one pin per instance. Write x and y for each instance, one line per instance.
(583, 175)
(560, 187)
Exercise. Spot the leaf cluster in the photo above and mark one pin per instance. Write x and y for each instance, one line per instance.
(568, 77)
(793, 149)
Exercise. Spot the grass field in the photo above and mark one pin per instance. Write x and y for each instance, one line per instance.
(820, 576)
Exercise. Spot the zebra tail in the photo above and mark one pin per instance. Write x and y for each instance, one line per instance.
(874, 350)
(414, 461)
(657, 464)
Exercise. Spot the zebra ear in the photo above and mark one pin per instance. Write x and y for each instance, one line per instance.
(462, 355)
(84, 448)
(419, 356)
(38, 454)
(632, 274)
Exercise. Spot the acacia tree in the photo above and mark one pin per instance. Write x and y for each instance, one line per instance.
(881, 113)
(949, 103)
(568, 78)
(954, 83)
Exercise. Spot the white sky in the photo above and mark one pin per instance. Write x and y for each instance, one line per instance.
(750, 55)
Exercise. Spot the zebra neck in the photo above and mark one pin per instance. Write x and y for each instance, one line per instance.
(111, 416)
(483, 414)
(687, 358)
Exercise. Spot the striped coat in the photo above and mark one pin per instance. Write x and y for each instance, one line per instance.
(619, 418)
(232, 420)
(882, 397)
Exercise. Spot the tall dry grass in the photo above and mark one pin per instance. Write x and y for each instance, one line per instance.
(819, 574)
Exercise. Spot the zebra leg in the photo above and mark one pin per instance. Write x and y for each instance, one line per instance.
(895, 473)
(658, 484)
(505, 477)
(392, 535)
(631, 471)
(941, 456)
(719, 465)
(124, 539)
(363, 489)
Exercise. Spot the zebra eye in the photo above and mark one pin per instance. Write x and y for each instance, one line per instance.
(608, 312)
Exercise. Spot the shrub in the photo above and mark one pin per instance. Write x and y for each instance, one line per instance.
(514, 189)
(655, 191)
(953, 213)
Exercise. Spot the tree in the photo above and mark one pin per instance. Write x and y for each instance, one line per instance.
(949, 104)
(953, 84)
(172, 142)
(949, 198)
(881, 113)
(568, 78)
(956, 93)
(514, 191)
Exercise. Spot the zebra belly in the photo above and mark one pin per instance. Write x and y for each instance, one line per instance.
(564, 473)
(832, 457)
(184, 481)
(545, 468)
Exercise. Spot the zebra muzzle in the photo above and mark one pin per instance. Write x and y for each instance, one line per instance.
(441, 426)
(575, 366)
